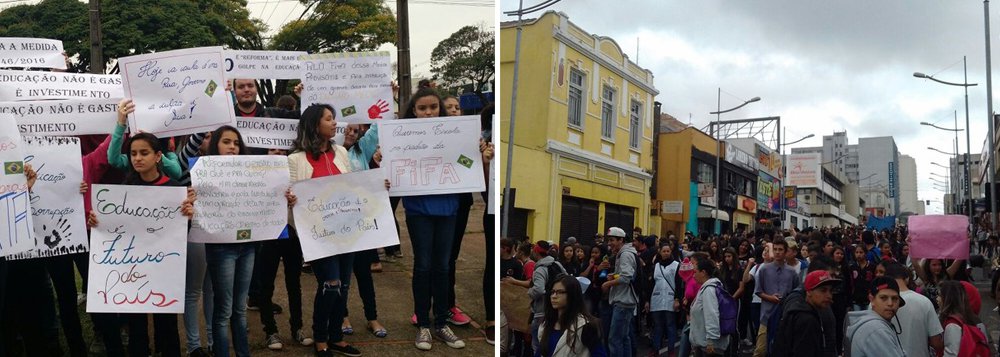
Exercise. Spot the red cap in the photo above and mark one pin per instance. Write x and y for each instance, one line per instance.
(819, 277)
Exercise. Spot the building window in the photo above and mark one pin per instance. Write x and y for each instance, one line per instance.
(607, 112)
(576, 80)
(705, 173)
(634, 129)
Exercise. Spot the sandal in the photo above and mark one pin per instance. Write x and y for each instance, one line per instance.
(376, 267)
(347, 329)
(379, 332)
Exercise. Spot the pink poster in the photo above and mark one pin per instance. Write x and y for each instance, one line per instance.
(939, 236)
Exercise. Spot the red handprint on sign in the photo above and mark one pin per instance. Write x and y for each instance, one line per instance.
(375, 111)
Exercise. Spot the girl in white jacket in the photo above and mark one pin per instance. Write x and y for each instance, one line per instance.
(568, 330)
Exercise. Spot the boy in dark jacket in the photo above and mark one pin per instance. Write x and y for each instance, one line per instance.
(801, 332)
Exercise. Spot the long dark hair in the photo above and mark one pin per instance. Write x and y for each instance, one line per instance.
(731, 271)
(307, 138)
(955, 303)
(411, 106)
(213, 144)
(588, 336)
(132, 177)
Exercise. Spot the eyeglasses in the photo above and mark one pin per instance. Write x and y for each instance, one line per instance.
(558, 292)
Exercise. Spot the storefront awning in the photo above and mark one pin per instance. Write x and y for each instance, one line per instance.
(705, 212)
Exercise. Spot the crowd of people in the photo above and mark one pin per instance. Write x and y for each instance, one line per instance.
(226, 280)
(818, 292)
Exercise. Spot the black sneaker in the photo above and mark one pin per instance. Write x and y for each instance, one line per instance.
(276, 309)
(199, 352)
(324, 353)
(345, 350)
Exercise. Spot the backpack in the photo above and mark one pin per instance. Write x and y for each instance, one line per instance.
(973, 343)
(774, 321)
(729, 310)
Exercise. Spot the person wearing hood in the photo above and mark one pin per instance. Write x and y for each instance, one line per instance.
(706, 332)
(621, 296)
(869, 332)
(802, 331)
(665, 297)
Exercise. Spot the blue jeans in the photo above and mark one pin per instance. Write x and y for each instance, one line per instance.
(431, 238)
(230, 267)
(664, 320)
(754, 320)
(685, 348)
(197, 286)
(619, 338)
(328, 308)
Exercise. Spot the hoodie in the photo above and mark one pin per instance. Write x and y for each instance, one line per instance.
(705, 328)
(539, 279)
(803, 330)
(868, 334)
(621, 295)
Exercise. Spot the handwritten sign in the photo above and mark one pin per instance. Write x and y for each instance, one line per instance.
(63, 117)
(263, 64)
(939, 236)
(342, 214)
(357, 84)
(31, 52)
(16, 230)
(267, 133)
(432, 156)
(240, 198)
(492, 194)
(177, 92)
(33, 85)
(138, 250)
(56, 203)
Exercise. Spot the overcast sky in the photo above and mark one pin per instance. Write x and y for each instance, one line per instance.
(822, 66)
(430, 22)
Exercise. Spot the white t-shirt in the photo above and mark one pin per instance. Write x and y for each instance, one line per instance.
(755, 299)
(917, 321)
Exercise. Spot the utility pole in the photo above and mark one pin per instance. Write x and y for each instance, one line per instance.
(403, 51)
(96, 46)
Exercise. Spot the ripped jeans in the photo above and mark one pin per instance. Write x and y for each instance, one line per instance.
(328, 308)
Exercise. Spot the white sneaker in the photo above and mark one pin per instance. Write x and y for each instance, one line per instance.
(424, 339)
(274, 342)
(303, 340)
(449, 338)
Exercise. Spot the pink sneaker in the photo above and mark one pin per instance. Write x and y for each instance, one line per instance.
(457, 317)
(413, 320)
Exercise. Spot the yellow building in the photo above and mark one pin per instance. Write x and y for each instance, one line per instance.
(583, 132)
(686, 157)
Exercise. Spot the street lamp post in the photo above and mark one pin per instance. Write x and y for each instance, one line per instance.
(784, 175)
(966, 183)
(989, 115)
(718, 148)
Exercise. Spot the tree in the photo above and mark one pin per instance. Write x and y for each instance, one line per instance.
(465, 57)
(338, 26)
(136, 26)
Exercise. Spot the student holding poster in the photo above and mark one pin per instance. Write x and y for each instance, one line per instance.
(145, 156)
(314, 156)
(170, 163)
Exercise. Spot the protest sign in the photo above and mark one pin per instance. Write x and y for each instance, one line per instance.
(16, 230)
(263, 64)
(939, 236)
(358, 85)
(138, 250)
(31, 52)
(63, 117)
(492, 194)
(267, 133)
(432, 156)
(56, 202)
(34, 85)
(240, 198)
(342, 214)
(177, 92)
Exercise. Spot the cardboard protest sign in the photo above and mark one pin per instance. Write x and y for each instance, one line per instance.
(358, 85)
(63, 117)
(177, 92)
(57, 210)
(31, 52)
(432, 156)
(263, 64)
(241, 198)
(35, 85)
(138, 250)
(342, 214)
(939, 236)
(16, 230)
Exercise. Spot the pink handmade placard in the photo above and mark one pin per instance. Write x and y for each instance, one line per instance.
(939, 237)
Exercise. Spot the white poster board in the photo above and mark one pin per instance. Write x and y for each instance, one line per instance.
(241, 198)
(492, 194)
(35, 85)
(358, 85)
(138, 250)
(16, 230)
(432, 156)
(177, 92)
(342, 214)
(63, 117)
(263, 64)
(31, 52)
(56, 202)
(267, 133)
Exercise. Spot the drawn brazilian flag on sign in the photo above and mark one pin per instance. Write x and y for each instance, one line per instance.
(13, 168)
(243, 234)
